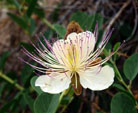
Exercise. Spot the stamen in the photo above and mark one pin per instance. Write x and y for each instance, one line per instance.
(96, 32)
(62, 49)
(42, 70)
(101, 47)
(81, 46)
(47, 43)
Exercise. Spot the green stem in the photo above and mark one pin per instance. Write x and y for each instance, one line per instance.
(45, 21)
(119, 77)
(64, 108)
(61, 97)
(117, 71)
(5, 77)
(2, 6)
(137, 106)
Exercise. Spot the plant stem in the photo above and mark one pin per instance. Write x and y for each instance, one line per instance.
(122, 81)
(5, 77)
(60, 98)
(45, 21)
(70, 100)
(66, 92)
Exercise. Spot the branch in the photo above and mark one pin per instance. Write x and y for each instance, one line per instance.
(117, 16)
(19, 87)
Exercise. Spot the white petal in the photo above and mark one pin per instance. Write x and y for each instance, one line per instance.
(72, 36)
(53, 83)
(84, 40)
(88, 42)
(57, 50)
(97, 80)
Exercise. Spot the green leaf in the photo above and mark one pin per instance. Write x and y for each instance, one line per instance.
(131, 67)
(18, 20)
(116, 46)
(27, 46)
(87, 21)
(125, 29)
(108, 46)
(39, 12)
(107, 49)
(83, 19)
(17, 4)
(123, 90)
(37, 89)
(121, 103)
(32, 26)
(14, 107)
(3, 59)
(48, 34)
(98, 18)
(28, 1)
(46, 103)
(60, 30)
(29, 101)
(26, 73)
(31, 7)
(118, 86)
(55, 14)
(14, 2)
(7, 106)
(10, 104)
(2, 87)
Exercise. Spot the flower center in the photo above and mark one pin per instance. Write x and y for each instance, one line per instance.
(73, 58)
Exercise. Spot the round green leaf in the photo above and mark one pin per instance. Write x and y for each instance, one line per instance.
(46, 103)
(131, 67)
(37, 89)
(122, 103)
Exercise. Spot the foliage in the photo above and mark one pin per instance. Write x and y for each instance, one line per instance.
(122, 102)
(131, 67)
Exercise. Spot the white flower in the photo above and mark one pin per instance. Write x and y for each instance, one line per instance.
(73, 61)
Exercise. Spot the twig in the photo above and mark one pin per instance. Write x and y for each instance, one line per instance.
(122, 54)
(109, 93)
(19, 87)
(130, 44)
(81, 106)
(136, 21)
(117, 15)
(45, 21)
(96, 6)
(98, 108)
(68, 12)
(82, 102)
(95, 106)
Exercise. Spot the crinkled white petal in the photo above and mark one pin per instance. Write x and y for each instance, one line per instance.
(85, 41)
(58, 50)
(53, 83)
(75, 49)
(97, 80)
(88, 42)
(72, 36)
